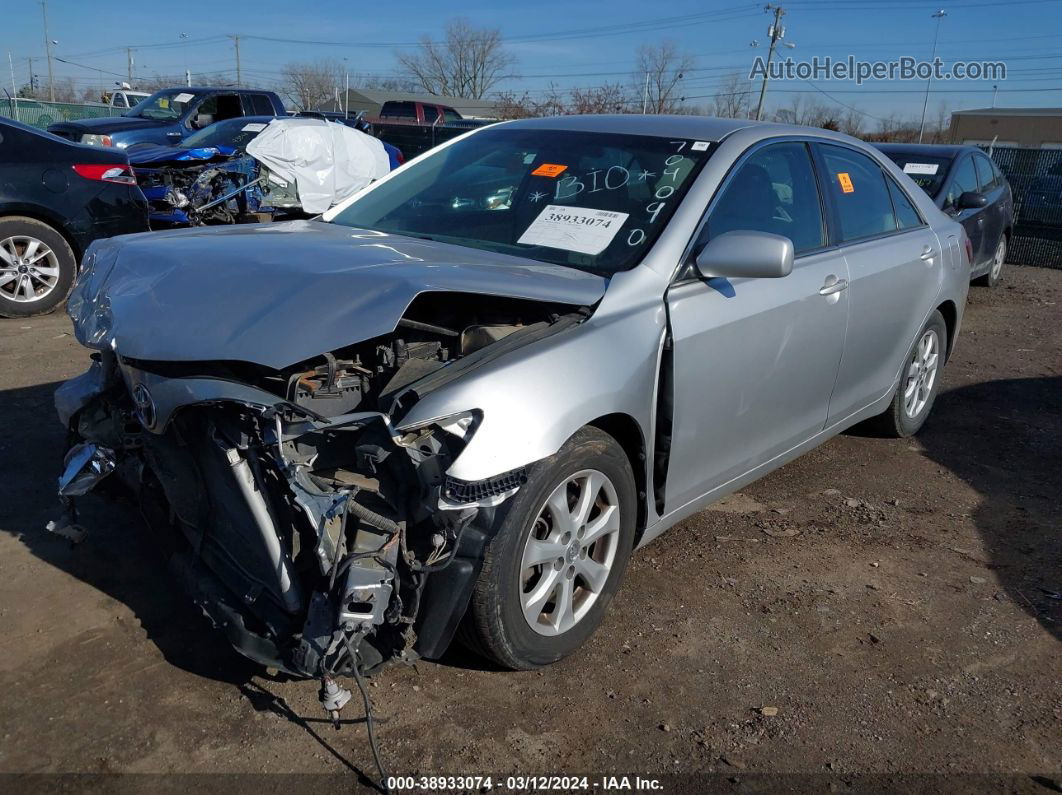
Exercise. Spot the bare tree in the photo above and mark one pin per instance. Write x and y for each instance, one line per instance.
(66, 90)
(732, 99)
(607, 98)
(658, 74)
(309, 85)
(468, 62)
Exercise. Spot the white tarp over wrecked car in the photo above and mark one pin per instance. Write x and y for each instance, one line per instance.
(327, 161)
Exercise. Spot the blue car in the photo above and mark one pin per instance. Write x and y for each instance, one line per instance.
(210, 179)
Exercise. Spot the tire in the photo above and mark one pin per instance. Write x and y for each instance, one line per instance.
(495, 625)
(995, 273)
(906, 414)
(39, 284)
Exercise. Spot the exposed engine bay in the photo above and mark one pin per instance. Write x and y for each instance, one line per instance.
(322, 535)
(229, 192)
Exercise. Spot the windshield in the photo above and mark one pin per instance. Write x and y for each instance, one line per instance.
(236, 133)
(928, 171)
(588, 200)
(166, 105)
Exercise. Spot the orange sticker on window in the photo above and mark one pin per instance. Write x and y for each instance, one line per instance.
(846, 182)
(548, 170)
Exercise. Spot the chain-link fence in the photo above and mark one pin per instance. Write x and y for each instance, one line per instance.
(1035, 177)
(40, 114)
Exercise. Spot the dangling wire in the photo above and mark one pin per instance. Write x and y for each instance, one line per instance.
(355, 659)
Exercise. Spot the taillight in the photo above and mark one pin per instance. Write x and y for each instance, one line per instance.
(106, 172)
(969, 251)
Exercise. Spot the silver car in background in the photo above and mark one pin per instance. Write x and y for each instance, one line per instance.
(455, 404)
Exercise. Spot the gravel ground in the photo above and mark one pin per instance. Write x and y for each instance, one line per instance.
(875, 609)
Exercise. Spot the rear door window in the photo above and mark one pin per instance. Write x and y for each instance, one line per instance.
(431, 114)
(857, 190)
(257, 105)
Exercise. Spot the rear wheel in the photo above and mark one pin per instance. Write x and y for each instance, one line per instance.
(558, 556)
(37, 267)
(919, 383)
(995, 273)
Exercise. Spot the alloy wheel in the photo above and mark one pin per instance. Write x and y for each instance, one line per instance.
(921, 374)
(569, 552)
(29, 269)
(997, 262)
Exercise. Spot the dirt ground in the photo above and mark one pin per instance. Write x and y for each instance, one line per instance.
(896, 602)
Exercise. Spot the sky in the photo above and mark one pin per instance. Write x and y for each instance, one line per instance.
(570, 43)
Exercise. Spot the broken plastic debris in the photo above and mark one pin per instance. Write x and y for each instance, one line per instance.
(63, 527)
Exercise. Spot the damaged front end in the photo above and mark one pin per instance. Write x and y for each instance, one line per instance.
(317, 531)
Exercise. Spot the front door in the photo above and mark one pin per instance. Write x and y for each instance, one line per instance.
(754, 360)
(973, 219)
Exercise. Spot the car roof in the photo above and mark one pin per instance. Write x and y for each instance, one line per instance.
(930, 150)
(704, 128)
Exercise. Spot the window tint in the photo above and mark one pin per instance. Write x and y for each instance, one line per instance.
(964, 179)
(986, 177)
(856, 184)
(399, 110)
(907, 216)
(449, 114)
(257, 105)
(431, 114)
(773, 191)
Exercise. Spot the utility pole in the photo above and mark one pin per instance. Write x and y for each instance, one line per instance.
(48, 50)
(936, 35)
(129, 65)
(776, 31)
(239, 81)
(32, 82)
(645, 93)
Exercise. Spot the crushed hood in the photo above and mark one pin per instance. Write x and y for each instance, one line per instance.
(277, 294)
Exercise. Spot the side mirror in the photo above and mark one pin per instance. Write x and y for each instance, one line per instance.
(972, 200)
(746, 254)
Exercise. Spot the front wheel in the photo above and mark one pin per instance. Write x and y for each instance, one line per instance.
(37, 267)
(919, 383)
(995, 273)
(558, 556)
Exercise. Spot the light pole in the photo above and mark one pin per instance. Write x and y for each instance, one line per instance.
(48, 50)
(346, 89)
(925, 104)
(183, 38)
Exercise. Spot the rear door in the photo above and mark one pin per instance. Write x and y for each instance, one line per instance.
(755, 359)
(894, 265)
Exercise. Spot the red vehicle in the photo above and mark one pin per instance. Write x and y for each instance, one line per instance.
(417, 113)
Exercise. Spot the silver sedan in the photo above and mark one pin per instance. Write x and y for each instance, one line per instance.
(456, 403)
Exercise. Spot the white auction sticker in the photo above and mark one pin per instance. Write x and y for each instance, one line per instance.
(253, 127)
(920, 168)
(699, 146)
(573, 229)
(183, 97)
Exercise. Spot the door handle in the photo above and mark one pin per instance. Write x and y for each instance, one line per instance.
(928, 253)
(833, 287)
